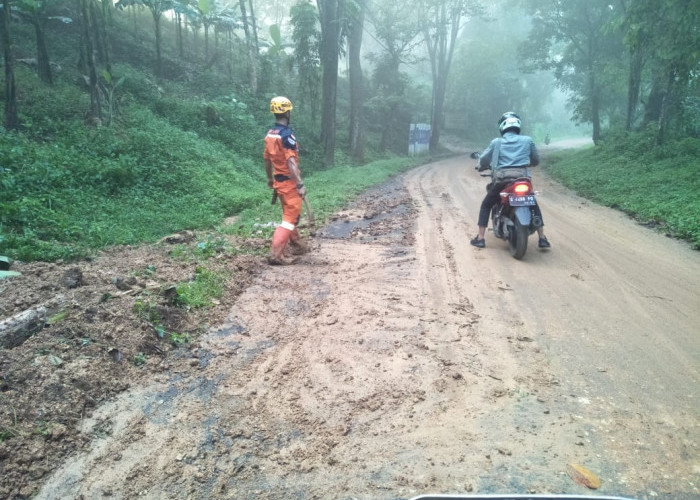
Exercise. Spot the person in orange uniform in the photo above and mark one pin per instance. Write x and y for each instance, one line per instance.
(283, 175)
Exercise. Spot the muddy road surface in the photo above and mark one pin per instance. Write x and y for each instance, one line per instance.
(396, 360)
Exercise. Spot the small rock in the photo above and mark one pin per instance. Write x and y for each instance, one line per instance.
(58, 431)
(179, 238)
(72, 278)
(125, 283)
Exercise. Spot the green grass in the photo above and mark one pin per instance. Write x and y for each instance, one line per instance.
(201, 292)
(655, 185)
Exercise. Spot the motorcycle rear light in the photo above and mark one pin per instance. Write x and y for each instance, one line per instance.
(521, 189)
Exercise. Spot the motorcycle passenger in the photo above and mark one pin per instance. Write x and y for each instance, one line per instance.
(283, 175)
(513, 151)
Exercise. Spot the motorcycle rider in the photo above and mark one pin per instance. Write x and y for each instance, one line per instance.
(283, 175)
(513, 151)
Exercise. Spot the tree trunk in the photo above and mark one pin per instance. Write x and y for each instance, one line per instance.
(252, 59)
(104, 14)
(179, 35)
(438, 115)
(42, 55)
(95, 112)
(356, 84)
(15, 330)
(634, 84)
(669, 105)
(206, 41)
(159, 60)
(254, 26)
(652, 106)
(100, 50)
(11, 113)
(330, 16)
(595, 108)
(441, 51)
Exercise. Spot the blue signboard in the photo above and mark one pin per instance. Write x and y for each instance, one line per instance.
(418, 138)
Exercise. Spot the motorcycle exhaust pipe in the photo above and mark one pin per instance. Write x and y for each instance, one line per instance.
(537, 221)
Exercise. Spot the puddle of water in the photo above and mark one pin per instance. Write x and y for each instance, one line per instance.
(343, 228)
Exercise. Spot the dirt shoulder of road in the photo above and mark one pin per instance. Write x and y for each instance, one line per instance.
(104, 325)
(108, 327)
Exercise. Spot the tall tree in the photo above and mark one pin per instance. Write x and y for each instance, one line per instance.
(95, 111)
(100, 16)
(637, 29)
(253, 26)
(397, 29)
(11, 114)
(306, 37)
(157, 8)
(35, 12)
(251, 46)
(356, 30)
(575, 40)
(674, 48)
(442, 22)
(331, 13)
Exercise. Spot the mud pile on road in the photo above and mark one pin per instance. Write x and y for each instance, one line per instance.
(108, 323)
(113, 323)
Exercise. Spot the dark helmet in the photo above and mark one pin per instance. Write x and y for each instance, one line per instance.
(509, 121)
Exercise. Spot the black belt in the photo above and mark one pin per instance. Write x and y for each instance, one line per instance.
(282, 178)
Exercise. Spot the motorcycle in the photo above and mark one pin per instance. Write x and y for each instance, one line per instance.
(513, 217)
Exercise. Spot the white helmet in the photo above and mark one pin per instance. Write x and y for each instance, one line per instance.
(509, 121)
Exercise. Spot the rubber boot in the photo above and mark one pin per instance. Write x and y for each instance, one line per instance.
(280, 238)
(297, 246)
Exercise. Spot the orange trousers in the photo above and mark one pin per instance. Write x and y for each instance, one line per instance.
(291, 213)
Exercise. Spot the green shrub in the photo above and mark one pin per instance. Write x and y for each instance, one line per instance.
(653, 184)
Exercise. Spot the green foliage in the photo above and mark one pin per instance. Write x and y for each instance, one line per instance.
(140, 359)
(92, 188)
(202, 290)
(212, 246)
(146, 311)
(656, 185)
(179, 339)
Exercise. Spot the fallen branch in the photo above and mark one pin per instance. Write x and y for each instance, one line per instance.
(16, 329)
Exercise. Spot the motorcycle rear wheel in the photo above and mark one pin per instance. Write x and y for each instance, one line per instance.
(517, 240)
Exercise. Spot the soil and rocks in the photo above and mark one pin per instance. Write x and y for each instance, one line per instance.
(105, 328)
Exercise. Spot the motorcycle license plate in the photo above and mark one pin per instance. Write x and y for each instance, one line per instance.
(521, 201)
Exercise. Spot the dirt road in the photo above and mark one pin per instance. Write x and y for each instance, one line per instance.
(395, 360)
